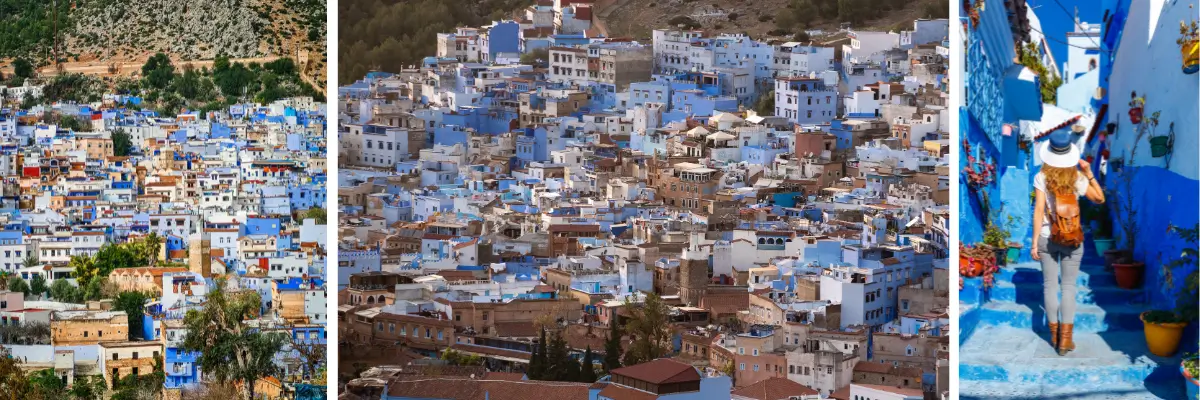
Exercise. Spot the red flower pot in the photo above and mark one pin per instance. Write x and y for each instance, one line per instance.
(1129, 275)
(1135, 115)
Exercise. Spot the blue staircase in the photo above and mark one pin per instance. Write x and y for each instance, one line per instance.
(1005, 353)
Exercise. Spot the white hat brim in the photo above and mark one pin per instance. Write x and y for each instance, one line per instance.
(1068, 160)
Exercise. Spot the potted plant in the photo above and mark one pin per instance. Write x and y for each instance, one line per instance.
(1102, 228)
(1135, 107)
(1126, 269)
(997, 240)
(1191, 373)
(977, 261)
(1189, 45)
(1163, 329)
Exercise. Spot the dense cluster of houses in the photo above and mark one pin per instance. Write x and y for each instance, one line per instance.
(230, 194)
(787, 199)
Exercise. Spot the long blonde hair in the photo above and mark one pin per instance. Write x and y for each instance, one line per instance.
(1060, 180)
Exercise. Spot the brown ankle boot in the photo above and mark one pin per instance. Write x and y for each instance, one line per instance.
(1067, 343)
(1054, 335)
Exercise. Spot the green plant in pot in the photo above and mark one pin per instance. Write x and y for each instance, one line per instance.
(997, 239)
(1164, 329)
(1102, 235)
(1127, 270)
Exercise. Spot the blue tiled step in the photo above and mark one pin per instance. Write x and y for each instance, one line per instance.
(1088, 317)
(975, 390)
(1090, 275)
(1019, 356)
(1032, 293)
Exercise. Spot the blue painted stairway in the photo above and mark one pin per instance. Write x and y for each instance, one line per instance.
(1005, 351)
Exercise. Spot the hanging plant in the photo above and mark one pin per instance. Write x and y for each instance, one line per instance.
(1160, 146)
(1189, 45)
(1135, 108)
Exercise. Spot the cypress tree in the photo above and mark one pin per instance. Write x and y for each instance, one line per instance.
(612, 349)
(587, 374)
(558, 360)
(537, 363)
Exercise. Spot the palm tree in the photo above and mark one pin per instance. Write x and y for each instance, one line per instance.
(4, 275)
(153, 243)
(31, 260)
(84, 267)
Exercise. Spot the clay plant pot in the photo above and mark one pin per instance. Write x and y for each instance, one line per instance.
(1115, 256)
(1103, 245)
(1162, 337)
(1129, 274)
(972, 267)
(1192, 383)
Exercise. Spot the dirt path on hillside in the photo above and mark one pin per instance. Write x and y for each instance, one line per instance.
(125, 68)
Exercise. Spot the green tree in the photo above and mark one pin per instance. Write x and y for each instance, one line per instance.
(16, 284)
(47, 385)
(64, 291)
(72, 123)
(537, 362)
(765, 104)
(316, 213)
(122, 143)
(649, 330)
(560, 365)
(612, 348)
(532, 56)
(88, 388)
(141, 387)
(94, 290)
(150, 247)
(1030, 56)
(158, 71)
(85, 268)
(30, 260)
(229, 350)
(37, 285)
(133, 303)
(587, 372)
(14, 385)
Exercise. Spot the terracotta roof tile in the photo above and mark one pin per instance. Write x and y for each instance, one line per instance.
(775, 388)
(660, 371)
(467, 389)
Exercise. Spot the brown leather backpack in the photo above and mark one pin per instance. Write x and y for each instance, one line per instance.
(1066, 228)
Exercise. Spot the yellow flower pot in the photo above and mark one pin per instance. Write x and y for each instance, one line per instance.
(1191, 56)
(1163, 338)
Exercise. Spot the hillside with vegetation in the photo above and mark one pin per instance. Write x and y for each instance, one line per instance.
(759, 18)
(111, 31)
(376, 35)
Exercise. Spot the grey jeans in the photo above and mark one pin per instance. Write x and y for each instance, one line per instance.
(1055, 257)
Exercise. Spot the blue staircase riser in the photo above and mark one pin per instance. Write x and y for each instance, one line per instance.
(1133, 373)
(1105, 296)
(1093, 277)
(1085, 320)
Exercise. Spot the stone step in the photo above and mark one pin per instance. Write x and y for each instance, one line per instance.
(1088, 317)
(1091, 275)
(1032, 293)
(1020, 356)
